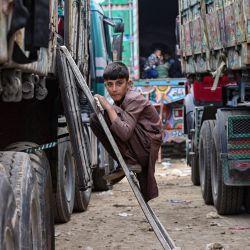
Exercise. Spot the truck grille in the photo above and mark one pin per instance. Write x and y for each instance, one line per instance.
(239, 137)
(239, 126)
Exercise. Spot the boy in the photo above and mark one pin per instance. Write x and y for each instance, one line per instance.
(135, 125)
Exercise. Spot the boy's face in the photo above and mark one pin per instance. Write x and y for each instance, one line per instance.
(117, 88)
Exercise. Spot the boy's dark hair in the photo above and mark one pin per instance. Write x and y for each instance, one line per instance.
(116, 70)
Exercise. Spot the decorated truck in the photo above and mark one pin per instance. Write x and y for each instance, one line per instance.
(105, 46)
(149, 25)
(214, 44)
(45, 148)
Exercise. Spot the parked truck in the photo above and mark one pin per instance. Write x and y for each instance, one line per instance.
(106, 38)
(45, 173)
(150, 25)
(214, 44)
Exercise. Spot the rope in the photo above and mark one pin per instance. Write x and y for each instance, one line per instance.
(43, 146)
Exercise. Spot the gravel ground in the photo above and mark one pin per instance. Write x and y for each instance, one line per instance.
(115, 221)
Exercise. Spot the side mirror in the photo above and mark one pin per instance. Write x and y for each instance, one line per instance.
(119, 27)
(117, 47)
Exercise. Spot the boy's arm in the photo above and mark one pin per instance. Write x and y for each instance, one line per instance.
(124, 121)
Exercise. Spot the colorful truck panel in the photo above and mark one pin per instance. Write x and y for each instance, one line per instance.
(128, 11)
(208, 28)
(167, 97)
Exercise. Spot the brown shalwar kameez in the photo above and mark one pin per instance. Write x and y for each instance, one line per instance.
(137, 132)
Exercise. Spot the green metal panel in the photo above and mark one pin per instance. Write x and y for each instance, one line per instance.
(122, 9)
(100, 54)
(127, 38)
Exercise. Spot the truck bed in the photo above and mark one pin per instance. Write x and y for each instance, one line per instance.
(212, 31)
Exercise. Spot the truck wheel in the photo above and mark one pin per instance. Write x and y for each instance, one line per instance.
(227, 199)
(65, 191)
(41, 166)
(195, 172)
(188, 149)
(247, 200)
(9, 221)
(99, 171)
(99, 183)
(25, 187)
(82, 197)
(206, 140)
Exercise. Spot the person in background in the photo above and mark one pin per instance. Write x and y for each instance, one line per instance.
(135, 126)
(175, 68)
(152, 62)
(163, 67)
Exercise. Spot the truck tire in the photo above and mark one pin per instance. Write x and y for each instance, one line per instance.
(99, 183)
(9, 220)
(206, 140)
(24, 184)
(66, 176)
(99, 171)
(188, 149)
(82, 197)
(195, 172)
(227, 199)
(41, 166)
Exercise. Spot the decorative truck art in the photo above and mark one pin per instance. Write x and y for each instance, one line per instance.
(215, 56)
(168, 101)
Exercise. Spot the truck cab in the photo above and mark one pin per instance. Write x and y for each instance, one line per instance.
(105, 46)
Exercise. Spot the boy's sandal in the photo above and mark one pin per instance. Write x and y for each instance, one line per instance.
(118, 173)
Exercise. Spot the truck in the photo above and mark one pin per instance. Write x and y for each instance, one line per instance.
(214, 45)
(144, 31)
(45, 172)
(106, 39)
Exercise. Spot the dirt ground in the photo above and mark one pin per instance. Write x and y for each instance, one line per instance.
(114, 219)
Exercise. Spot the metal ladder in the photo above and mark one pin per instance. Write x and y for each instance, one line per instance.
(66, 59)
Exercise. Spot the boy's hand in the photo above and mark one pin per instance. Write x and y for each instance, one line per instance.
(103, 101)
(98, 104)
(106, 106)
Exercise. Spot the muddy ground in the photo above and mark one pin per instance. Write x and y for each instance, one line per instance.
(115, 221)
